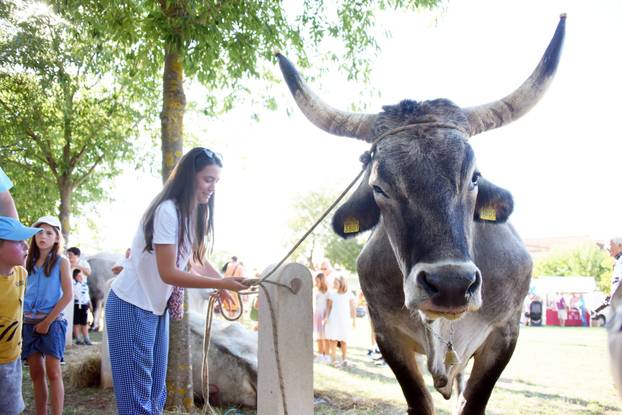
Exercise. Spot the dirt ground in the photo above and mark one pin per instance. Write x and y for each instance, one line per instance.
(86, 400)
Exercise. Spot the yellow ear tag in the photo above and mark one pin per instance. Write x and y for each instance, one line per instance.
(488, 213)
(351, 225)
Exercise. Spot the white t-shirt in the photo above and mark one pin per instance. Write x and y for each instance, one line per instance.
(330, 280)
(140, 283)
(81, 293)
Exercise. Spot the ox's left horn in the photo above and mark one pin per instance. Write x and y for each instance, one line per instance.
(321, 114)
(512, 107)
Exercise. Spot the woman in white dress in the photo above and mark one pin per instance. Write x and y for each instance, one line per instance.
(340, 309)
(319, 314)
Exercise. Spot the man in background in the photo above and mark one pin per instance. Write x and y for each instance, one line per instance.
(234, 268)
(615, 250)
(329, 273)
(73, 254)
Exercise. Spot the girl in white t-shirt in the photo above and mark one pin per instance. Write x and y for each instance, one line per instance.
(174, 228)
(340, 310)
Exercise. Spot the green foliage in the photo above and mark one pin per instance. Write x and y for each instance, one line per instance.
(66, 122)
(225, 44)
(586, 260)
(309, 208)
(343, 252)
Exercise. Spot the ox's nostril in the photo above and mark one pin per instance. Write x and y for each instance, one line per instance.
(477, 280)
(424, 281)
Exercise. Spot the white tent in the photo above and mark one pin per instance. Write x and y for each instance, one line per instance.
(552, 285)
(547, 288)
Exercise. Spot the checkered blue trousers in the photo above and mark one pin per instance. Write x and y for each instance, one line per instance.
(138, 346)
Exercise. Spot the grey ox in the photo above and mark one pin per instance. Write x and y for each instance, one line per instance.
(442, 270)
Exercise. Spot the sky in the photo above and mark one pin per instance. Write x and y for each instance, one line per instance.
(561, 161)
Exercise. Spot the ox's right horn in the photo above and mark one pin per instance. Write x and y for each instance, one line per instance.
(321, 114)
(498, 113)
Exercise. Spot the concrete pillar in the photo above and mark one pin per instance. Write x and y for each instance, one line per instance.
(68, 314)
(293, 316)
(106, 369)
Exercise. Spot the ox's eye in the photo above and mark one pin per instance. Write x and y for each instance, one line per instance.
(378, 190)
(475, 179)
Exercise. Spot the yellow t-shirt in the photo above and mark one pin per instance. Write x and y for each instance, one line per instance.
(11, 306)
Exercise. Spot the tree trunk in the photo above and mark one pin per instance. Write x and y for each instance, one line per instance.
(172, 116)
(310, 256)
(179, 373)
(66, 192)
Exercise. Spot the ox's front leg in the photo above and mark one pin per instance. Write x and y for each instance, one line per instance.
(399, 353)
(97, 304)
(490, 360)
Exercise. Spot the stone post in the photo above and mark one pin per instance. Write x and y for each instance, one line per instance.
(106, 369)
(293, 317)
(68, 314)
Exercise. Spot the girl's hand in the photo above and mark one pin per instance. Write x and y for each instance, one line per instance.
(233, 284)
(226, 299)
(42, 327)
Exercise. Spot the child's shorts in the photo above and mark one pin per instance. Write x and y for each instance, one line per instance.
(50, 344)
(11, 400)
(80, 314)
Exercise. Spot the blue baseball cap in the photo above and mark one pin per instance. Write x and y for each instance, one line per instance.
(12, 230)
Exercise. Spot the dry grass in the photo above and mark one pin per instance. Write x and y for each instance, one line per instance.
(80, 371)
(85, 371)
(553, 371)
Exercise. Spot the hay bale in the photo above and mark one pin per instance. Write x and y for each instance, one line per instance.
(84, 371)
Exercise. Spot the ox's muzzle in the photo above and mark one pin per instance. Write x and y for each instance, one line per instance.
(444, 289)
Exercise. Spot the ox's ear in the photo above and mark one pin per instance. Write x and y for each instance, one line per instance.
(359, 213)
(494, 204)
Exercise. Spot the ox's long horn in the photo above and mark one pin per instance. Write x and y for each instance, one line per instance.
(321, 114)
(519, 102)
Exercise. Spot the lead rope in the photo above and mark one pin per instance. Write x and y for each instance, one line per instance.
(253, 282)
(207, 408)
(213, 298)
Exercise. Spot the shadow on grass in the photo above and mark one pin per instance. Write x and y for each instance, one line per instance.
(598, 407)
(341, 402)
(363, 369)
(522, 381)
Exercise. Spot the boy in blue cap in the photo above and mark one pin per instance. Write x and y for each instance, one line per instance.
(13, 252)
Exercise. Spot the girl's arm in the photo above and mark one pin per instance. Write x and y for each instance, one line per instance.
(67, 286)
(353, 311)
(209, 271)
(166, 257)
(329, 308)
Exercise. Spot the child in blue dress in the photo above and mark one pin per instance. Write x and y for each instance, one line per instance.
(48, 292)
